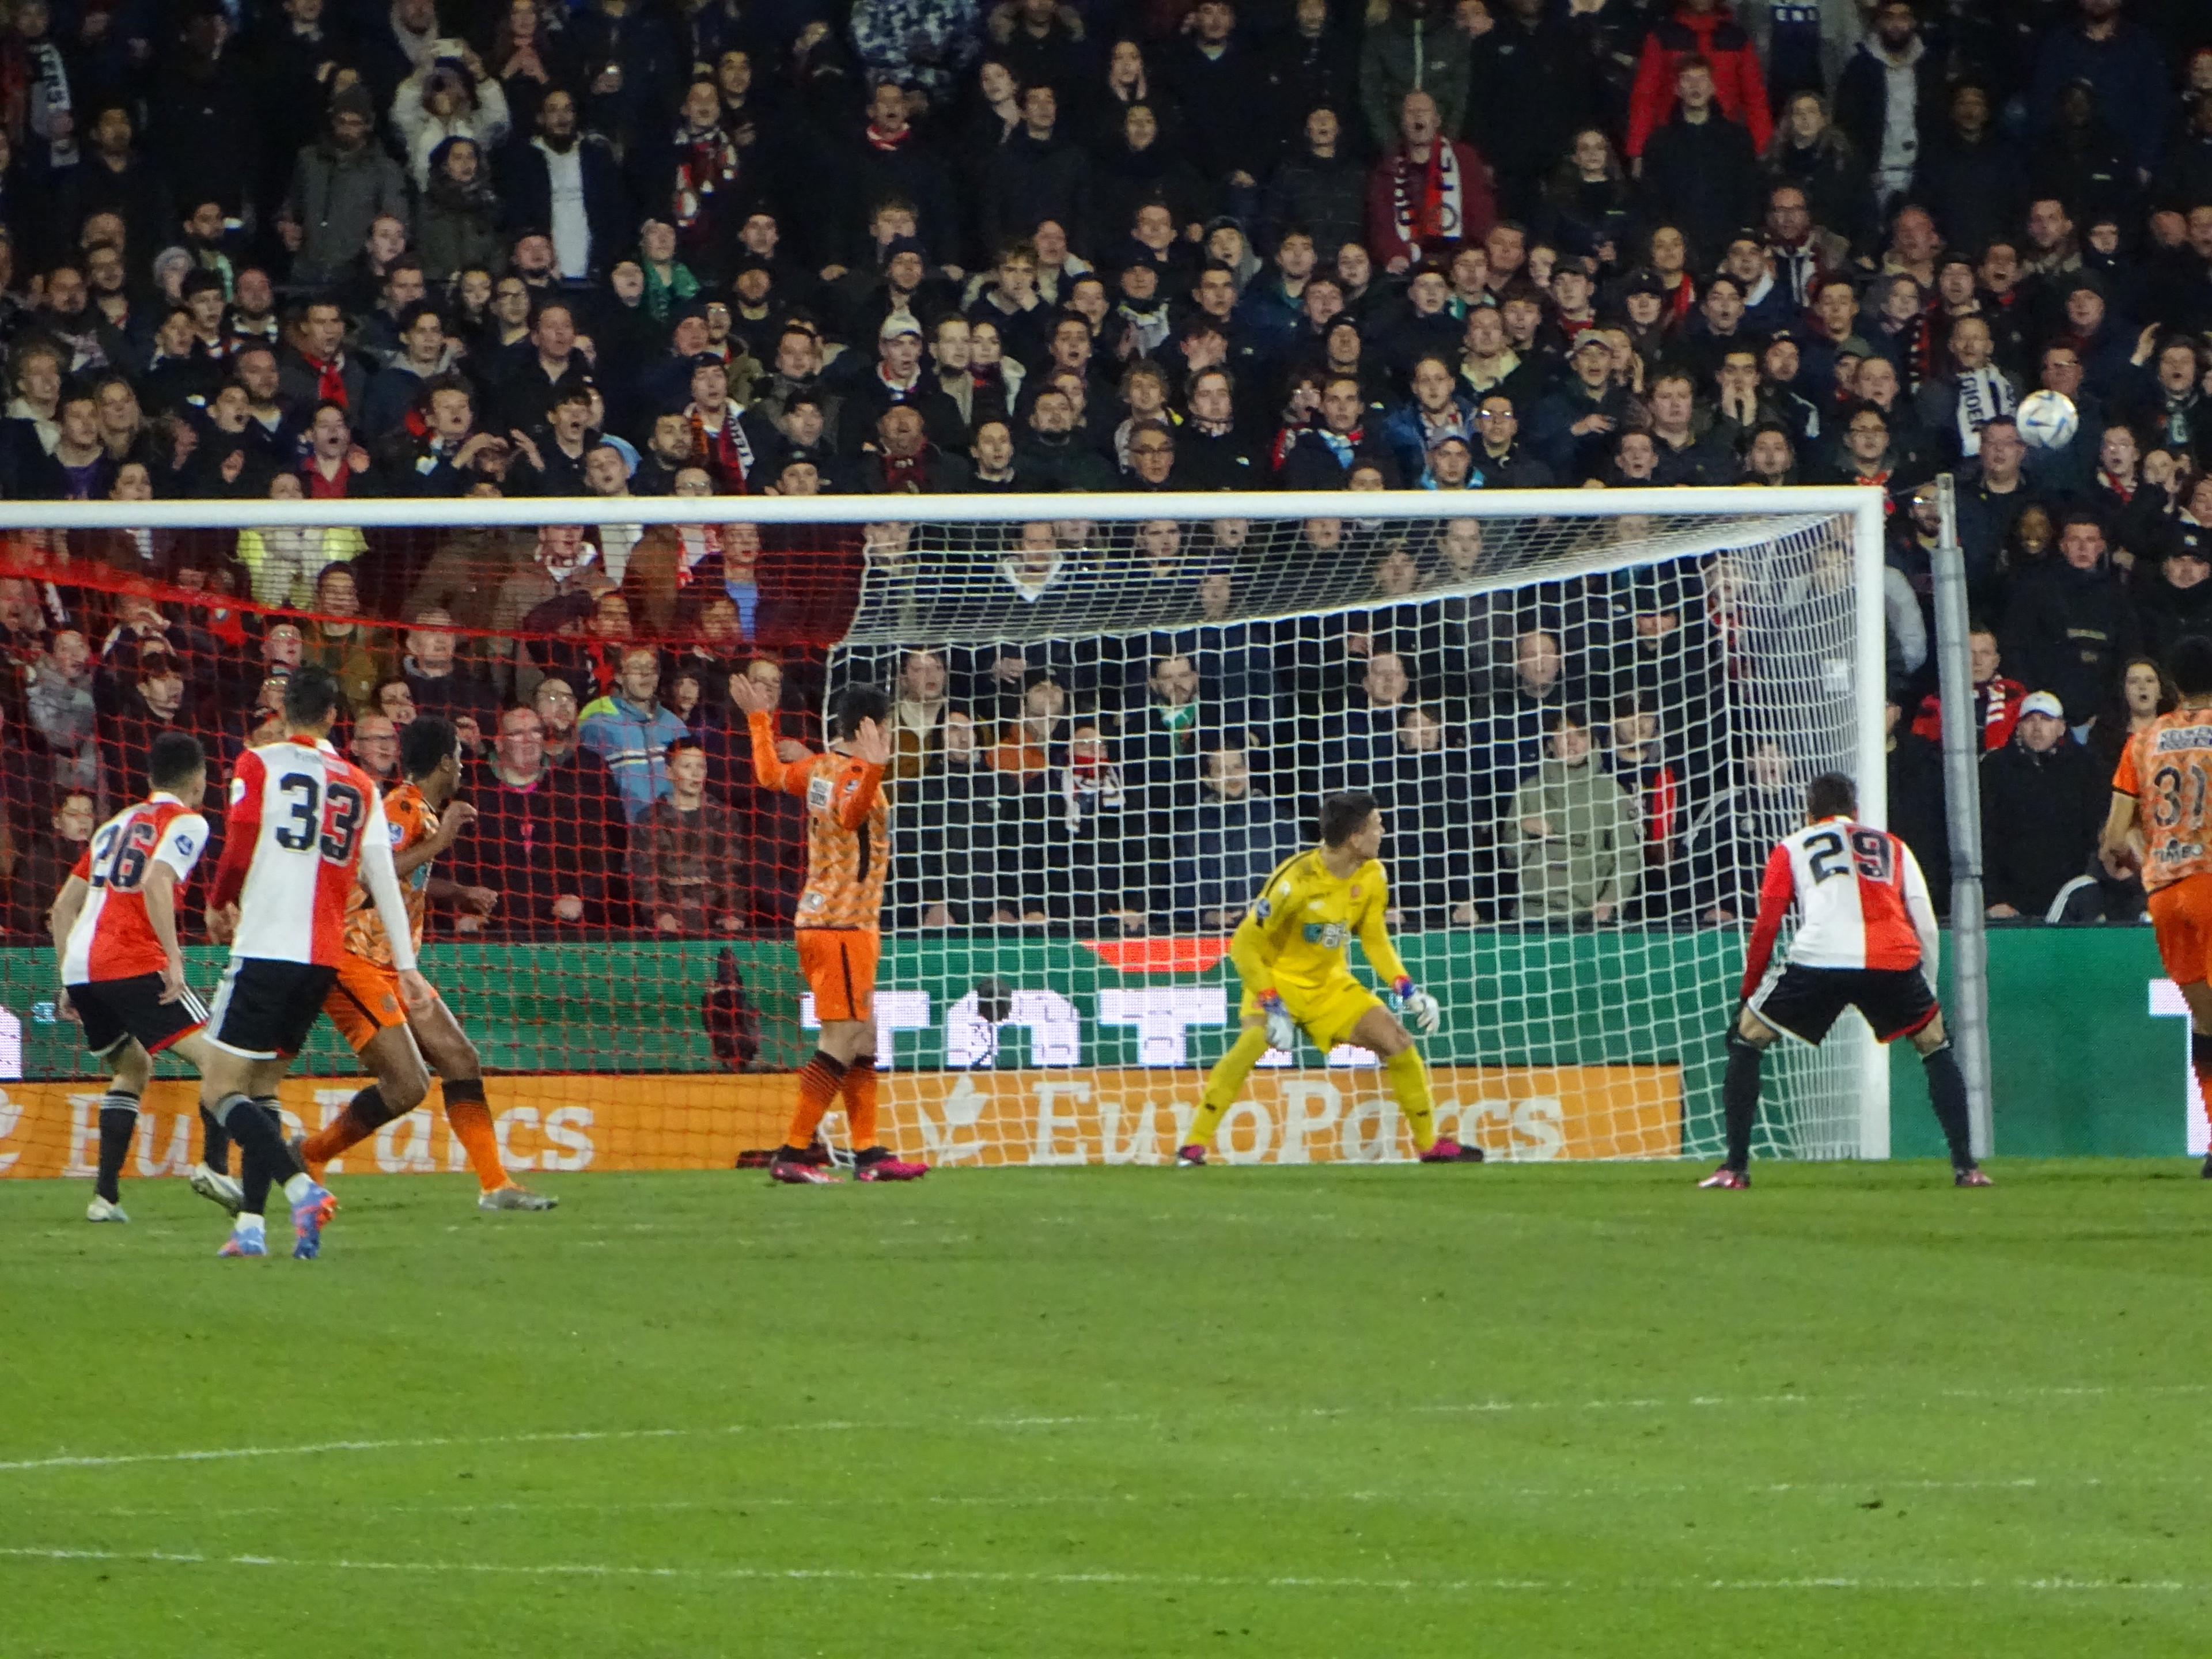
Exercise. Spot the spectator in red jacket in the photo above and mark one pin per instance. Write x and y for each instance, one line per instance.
(1429, 195)
(1708, 29)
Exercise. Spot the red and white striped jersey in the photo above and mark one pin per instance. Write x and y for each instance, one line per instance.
(303, 823)
(113, 939)
(1861, 900)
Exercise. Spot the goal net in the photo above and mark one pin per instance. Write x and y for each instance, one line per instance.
(1587, 716)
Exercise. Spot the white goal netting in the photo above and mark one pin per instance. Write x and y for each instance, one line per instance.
(1586, 733)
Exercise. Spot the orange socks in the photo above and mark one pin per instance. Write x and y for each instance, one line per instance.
(364, 1115)
(817, 1091)
(860, 1101)
(469, 1117)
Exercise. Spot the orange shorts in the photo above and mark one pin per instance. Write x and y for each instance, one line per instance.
(2181, 912)
(840, 965)
(364, 1001)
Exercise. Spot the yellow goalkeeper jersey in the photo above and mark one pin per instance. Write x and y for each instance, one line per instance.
(1293, 937)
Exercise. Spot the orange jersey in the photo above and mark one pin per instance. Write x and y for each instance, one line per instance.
(848, 843)
(412, 821)
(2168, 770)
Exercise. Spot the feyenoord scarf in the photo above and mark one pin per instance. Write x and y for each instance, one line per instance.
(1983, 396)
(1438, 215)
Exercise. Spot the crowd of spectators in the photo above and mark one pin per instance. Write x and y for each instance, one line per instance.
(318, 251)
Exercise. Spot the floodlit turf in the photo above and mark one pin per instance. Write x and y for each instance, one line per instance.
(1352, 1411)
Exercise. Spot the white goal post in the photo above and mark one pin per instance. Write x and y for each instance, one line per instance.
(1042, 1024)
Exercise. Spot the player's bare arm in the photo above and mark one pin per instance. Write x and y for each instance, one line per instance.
(69, 904)
(453, 817)
(2119, 847)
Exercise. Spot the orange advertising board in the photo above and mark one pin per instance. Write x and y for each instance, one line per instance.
(981, 1118)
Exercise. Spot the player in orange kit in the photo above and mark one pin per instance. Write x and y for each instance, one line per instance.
(364, 1003)
(2161, 822)
(848, 855)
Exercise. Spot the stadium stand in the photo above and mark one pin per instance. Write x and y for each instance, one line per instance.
(929, 246)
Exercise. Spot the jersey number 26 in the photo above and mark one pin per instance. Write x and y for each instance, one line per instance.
(125, 866)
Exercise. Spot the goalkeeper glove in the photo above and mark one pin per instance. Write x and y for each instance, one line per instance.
(1282, 1029)
(1417, 1008)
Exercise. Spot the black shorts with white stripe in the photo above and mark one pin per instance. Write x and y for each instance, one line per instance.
(113, 1011)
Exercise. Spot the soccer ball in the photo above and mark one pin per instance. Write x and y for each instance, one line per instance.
(2047, 420)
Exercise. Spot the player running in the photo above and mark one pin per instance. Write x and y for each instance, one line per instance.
(364, 1003)
(1866, 939)
(123, 974)
(2160, 822)
(847, 855)
(302, 822)
(1290, 951)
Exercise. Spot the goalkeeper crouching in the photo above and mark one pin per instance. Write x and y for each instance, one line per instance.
(1290, 951)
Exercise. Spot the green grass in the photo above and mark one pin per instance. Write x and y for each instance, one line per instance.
(1320, 1411)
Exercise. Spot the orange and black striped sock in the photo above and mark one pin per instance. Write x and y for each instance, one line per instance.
(470, 1116)
(818, 1092)
(861, 1103)
(364, 1115)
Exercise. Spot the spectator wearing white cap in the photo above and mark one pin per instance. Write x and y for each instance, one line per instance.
(897, 378)
(2042, 806)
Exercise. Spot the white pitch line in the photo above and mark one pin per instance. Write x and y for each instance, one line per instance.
(1472, 1408)
(1137, 1580)
(1870, 1486)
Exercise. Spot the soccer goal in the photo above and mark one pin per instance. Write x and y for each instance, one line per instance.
(1586, 716)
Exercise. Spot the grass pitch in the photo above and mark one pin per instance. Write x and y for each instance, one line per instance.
(1324, 1410)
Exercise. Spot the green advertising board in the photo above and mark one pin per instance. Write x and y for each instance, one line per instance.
(2081, 1063)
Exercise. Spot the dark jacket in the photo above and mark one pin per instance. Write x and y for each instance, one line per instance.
(1863, 101)
(1701, 178)
(526, 195)
(2040, 817)
(1032, 179)
(1916, 816)
(335, 198)
(2068, 631)
(2128, 72)
(1532, 88)
(1975, 192)
(1327, 196)
(1227, 124)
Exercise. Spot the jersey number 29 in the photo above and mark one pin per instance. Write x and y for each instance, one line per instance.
(1869, 854)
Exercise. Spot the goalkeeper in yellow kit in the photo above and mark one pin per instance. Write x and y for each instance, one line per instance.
(1290, 951)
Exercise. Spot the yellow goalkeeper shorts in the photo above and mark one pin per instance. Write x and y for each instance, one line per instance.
(1326, 1014)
